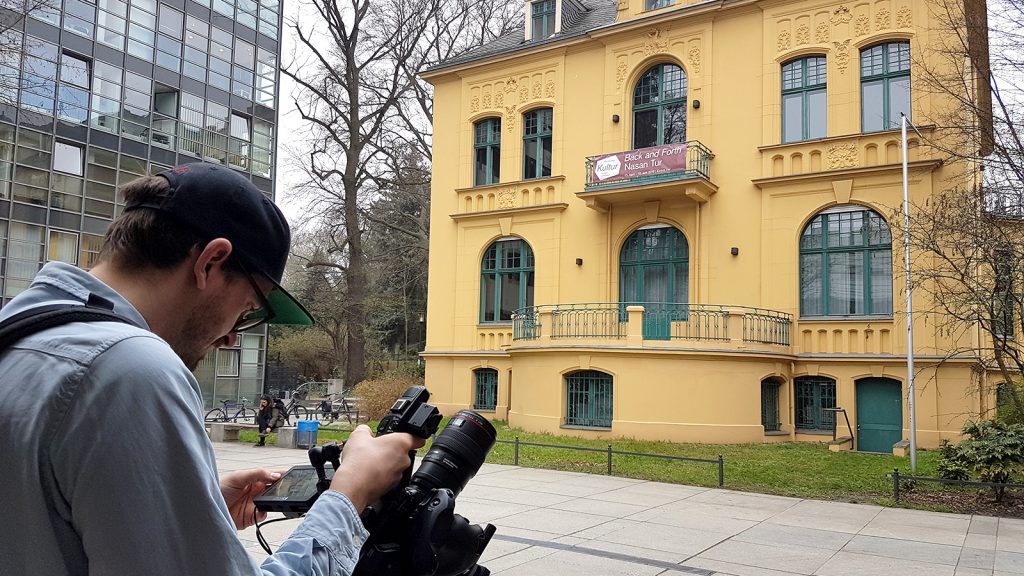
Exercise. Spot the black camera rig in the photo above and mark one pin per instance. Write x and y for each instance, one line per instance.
(414, 530)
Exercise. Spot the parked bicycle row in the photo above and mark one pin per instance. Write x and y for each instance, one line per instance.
(293, 411)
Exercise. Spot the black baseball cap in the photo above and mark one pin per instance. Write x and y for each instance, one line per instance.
(218, 202)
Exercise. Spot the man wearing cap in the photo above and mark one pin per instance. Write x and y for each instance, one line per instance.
(107, 466)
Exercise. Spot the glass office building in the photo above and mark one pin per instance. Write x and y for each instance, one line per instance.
(103, 92)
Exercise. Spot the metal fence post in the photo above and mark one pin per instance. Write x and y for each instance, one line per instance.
(721, 471)
(517, 450)
(896, 483)
(609, 459)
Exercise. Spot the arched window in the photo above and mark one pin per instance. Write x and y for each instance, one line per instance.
(537, 126)
(506, 279)
(812, 395)
(884, 85)
(804, 113)
(846, 264)
(588, 399)
(659, 107)
(654, 270)
(486, 388)
(487, 151)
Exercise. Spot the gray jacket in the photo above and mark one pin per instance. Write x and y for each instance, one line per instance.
(98, 480)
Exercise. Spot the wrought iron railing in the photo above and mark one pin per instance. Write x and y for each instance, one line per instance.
(698, 165)
(661, 321)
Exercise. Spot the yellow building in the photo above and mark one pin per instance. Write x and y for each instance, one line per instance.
(670, 220)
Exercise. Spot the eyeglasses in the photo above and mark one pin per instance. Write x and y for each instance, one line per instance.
(256, 316)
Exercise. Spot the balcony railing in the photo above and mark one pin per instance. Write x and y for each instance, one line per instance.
(654, 321)
(645, 165)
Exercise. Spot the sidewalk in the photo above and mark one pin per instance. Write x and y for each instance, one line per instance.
(568, 524)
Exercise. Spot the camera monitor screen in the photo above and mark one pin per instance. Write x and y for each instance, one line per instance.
(293, 493)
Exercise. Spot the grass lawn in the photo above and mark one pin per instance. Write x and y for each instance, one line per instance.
(790, 469)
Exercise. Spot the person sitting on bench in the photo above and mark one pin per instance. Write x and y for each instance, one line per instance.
(270, 417)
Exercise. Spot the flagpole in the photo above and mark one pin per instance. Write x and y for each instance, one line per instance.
(909, 303)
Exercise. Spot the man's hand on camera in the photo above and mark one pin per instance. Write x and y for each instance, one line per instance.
(239, 488)
(371, 466)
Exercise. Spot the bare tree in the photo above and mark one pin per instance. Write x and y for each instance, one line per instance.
(968, 240)
(13, 42)
(365, 109)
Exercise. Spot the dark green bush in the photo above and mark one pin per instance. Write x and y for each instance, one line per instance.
(953, 465)
(994, 451)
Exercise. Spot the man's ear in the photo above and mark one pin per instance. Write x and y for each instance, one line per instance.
(214, 255)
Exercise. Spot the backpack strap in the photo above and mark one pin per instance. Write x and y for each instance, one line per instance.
(24, 324)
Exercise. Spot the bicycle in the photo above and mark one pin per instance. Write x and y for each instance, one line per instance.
(293, 408)
(242, 411)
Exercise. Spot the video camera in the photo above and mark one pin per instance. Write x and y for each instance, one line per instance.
(413, 529)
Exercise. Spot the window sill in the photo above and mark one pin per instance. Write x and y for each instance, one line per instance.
(512, 183)
(485, 410)
(888, 318)
(578, 427)
(778, 433)
(507, 324)
(814, 432)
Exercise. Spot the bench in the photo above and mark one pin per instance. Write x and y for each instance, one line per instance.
(227, 431)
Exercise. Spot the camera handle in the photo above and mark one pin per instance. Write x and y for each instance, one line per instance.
(321, 455)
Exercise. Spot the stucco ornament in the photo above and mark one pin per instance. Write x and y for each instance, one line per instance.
(822, 33)
(620, 73)
(904, 17)
(510, 117)
(487, 99)
(655, 42)
(862, 27)
(474, 104)
(882, 19)
(842, 55)
(842, 156)
(784, 40)
(507, 198)
(695, 59)
(549, 89)
(511, 85)
(841, 15)
(803, 35)
(524, 91)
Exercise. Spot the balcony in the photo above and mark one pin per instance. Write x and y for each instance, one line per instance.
(652, 325)
(656, 173)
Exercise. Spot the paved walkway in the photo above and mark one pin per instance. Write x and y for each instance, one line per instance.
(568, 524)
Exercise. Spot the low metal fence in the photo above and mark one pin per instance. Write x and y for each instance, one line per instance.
(896, 478)
(609, 452)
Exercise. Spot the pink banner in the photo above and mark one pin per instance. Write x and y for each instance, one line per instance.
(639, 162)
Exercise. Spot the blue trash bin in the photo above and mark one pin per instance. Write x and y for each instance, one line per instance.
(305, 433)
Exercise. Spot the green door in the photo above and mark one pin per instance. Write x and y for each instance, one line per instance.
(654, 273)
(879, 414)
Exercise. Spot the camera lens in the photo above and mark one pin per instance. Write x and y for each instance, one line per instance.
(457, 453)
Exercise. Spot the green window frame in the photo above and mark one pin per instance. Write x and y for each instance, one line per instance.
(659, 107)
(654, 266)
(885, 85)
(770, 417)
(506, 280)
(537, 128)
(812, 395)
(588, 399)
(846, 264)
(485, 392)
(804, 99)
(487, 151)
(542, 19)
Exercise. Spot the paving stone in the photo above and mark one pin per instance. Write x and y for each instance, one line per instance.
(1010, 535)
(480, 511)
(679, 540)
(732, 569)
(904, 549)
(832, 516)
(918, 525)
(518, 558)
(556, 521)
(691, 518)
(781, 534)
(977, 559)
(567, 563)
(1012, 562)
(851, 564)
(790, 558)
(599, 507)
(515, 495)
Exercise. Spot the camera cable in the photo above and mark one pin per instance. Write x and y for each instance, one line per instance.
(259, 535)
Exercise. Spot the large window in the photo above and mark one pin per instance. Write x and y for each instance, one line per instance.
(884, 85)
(654, 266)
(486, 388)
(812, 396)
(846, 264)
(655, 4)
(803, 99)
(506, 280)
(487, 150)
(588, 399)
(542, 18)
(537, 143)
(659, 107)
